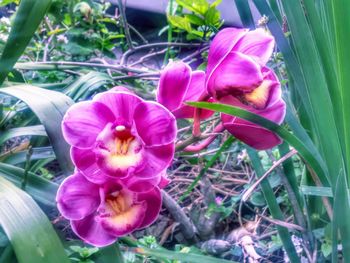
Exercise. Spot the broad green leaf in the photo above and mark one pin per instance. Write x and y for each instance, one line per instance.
(50, 107)
(196, 6)
(42, 190)
(37, 130)
(180, 22)
(28, 17)
(30, 232)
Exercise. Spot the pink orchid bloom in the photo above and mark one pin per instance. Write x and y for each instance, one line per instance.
(235, 61)
(99, 214)
(119, 136)
(237, 75)
(179, 84)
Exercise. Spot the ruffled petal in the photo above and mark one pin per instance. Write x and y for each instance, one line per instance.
(222, 44)
(236, 73)
(153, 199)
(155, 160)
(140, 184)
(154, 124)
(91, 231)
(257, 43)
(121, 103)
(77, 197)
(85, 160)
(123, 214)
(84, 121)
(173, 84)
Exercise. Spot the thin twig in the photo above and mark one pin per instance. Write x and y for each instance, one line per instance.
(144, 40)
(127, 54)
(250, 190)
(58, 65)
(137, 76)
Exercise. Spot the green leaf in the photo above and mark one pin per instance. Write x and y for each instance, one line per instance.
(180, 22)
(28, 17)
(183, 257)
(273, 206)
(37, 130)
(306, 152)
(30, 232)
(245, 14)
(50, 107)
(212, 17)
(197, 6)
(42, 190)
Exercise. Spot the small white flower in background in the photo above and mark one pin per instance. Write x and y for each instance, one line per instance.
(62, 39)
(5, 21)
(3, 37)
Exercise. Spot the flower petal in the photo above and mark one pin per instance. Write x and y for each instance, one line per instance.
(257, 43)
(253, 135)
(173, 84)
(121, 103)
(153, 199)
(85, 161)
(236, 73)
(84, 121)
(77, 197)
(154, 124)
(124, 214)
(91, 231)
(222, 44)
(196, 87)
(155, 160)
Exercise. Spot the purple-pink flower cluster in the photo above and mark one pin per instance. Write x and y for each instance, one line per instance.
(121, 145)
(236, 75)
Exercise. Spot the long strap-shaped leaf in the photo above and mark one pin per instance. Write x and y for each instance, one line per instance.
(28, 18)
(49, 106)
(27, 227)
(273, 206)
(308, 153)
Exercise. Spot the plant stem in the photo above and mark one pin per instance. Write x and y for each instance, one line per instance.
(170, 33)
(125, 24)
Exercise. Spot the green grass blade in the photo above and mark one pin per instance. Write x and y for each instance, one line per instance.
(37, 130)
(110, 254)
(341, 212)
(27, 20)
(183, 257)
(30, 232)
(273, 206)
(311, 65)
(209, 164)
(50, 107)
(245, 14)
(306, 152)
(42, 190)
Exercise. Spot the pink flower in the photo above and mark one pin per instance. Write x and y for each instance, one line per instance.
(119, 136)
(179, 84)
(99, 214)
(237, 75)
